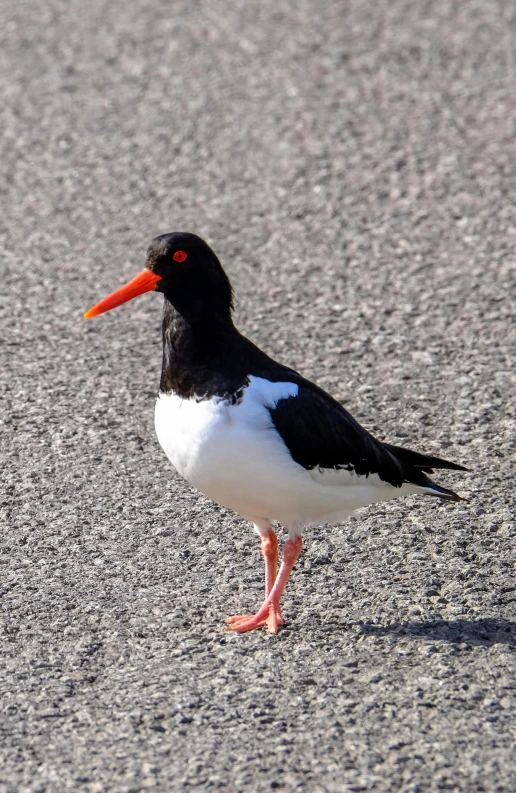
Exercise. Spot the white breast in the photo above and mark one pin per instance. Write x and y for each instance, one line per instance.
(234, 454)
(231, 452)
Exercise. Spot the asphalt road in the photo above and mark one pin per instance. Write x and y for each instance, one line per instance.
(354, 166)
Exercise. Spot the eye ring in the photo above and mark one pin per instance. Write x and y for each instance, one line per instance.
(179, 256)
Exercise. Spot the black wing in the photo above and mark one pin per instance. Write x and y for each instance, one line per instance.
(320, 433)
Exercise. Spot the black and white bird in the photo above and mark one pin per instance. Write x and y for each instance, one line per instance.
(251, 433)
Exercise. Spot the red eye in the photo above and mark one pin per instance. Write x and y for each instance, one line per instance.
(179, 256)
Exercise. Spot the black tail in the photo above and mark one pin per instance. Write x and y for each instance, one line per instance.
(440, 492)
(422, 464)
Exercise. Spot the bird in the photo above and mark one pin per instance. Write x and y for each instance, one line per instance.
(251, 433)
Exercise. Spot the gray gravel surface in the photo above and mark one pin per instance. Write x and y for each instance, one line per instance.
(354, 165)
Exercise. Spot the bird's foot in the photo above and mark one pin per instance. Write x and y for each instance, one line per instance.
(269, 614)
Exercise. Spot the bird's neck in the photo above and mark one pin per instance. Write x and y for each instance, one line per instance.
(201, 353)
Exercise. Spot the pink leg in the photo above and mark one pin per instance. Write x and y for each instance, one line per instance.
(270, 555)
(270, 614)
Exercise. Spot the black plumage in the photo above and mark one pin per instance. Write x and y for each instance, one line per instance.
(205, 356)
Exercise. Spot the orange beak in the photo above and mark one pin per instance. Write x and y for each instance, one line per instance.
(144, 282)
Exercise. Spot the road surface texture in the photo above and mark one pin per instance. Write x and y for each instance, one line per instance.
(354, 166)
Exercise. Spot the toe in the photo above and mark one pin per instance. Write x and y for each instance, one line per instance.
(269, 615)
(245, 623)
(237, 617)
(274, 620)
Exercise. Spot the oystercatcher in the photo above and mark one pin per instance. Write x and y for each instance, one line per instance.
(251, 433)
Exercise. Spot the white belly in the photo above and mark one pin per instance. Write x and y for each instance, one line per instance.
(233, 454)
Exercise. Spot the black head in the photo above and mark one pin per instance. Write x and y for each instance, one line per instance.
(191, 276)
(186, 270)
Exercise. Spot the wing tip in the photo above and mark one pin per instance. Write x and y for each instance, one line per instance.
(423, 462)
(456, 467)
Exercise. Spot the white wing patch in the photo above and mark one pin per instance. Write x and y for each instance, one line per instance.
(269, 394)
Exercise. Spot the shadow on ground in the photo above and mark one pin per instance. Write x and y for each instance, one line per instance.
(484, 632)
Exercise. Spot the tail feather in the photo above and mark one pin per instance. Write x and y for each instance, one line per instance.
(432, 489)
(416, 466)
